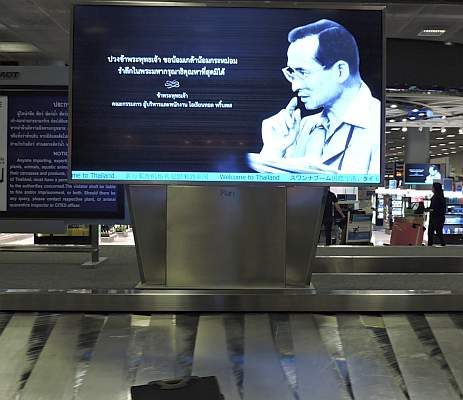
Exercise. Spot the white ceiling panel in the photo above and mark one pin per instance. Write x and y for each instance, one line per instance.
(45, 24)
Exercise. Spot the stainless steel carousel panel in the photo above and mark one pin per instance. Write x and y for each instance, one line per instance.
(148, 216)
(225, 237)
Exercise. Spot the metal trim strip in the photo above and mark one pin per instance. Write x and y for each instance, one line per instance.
(289, 300)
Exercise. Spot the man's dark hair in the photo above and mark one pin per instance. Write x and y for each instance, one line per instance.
(335, 43)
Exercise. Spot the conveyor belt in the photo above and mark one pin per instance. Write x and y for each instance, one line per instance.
(255, 356)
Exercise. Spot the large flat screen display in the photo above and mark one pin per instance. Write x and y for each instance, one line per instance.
(423, 174)
(33, 163)
(226, 94)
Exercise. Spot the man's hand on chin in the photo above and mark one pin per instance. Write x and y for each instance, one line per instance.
(280, 131)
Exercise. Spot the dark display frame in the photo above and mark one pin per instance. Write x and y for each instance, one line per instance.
(442, 171)
(238, 4)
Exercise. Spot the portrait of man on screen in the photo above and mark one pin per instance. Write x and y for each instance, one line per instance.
(344, 137)
(434, 174)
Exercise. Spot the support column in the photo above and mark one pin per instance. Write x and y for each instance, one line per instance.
(212, 237)
(148, 215)
(417, 145)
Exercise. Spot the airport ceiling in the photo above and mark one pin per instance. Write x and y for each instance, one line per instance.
(45, 24)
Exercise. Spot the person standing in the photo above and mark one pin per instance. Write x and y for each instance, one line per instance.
(437, 211)
(328, 215)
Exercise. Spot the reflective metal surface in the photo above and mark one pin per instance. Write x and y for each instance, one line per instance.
(390, 251)
(159, 358)
(388, 259)
(304, 217)
(261, 361)
(212, 357)
(225, 236)
(108, 372)
(447, 338)
(378, 264)
(56, 363)
(148, 217)
(50, 248)
(322, 379)
(254, 356)
(371, 377)
(424, 374)
(168, 300)
(13, 347)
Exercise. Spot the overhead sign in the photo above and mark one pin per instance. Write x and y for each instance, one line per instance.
(33, 164)
(5, 75)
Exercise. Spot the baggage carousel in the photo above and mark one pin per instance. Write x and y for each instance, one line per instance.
(262, 356)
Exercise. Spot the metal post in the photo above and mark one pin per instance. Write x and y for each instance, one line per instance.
(95, 258)
(94, 238)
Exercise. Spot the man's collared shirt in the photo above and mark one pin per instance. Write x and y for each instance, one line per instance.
(350, 144)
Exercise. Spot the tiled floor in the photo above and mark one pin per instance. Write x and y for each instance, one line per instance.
(254, 356)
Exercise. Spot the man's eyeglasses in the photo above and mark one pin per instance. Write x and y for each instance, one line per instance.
(291, 73)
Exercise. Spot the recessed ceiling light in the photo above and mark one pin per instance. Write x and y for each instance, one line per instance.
(444, 117)
(404, 119)
(395, 129)
(438, 154)
(392, 120)
(412, 118)
(453, 152)
(17, 47)
(450, 135)
(460, 131)
(445, 154)
(439, 138)
(415, 110)
(393, 106)
(432, 32)
(443, 130)
(404, 129)
(441, 144)
(448, 43)
(451, 143)
(433, 145)
(403, 137)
